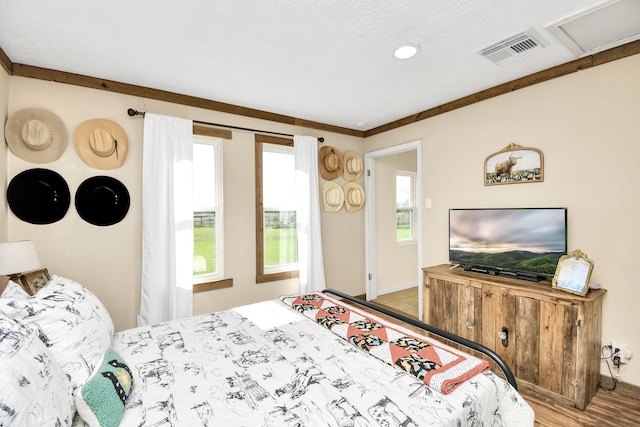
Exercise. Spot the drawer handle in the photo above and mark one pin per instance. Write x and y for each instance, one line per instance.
(470, 325)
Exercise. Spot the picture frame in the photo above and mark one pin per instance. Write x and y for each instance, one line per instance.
(32, 281)
(573, 273)
(514, 164)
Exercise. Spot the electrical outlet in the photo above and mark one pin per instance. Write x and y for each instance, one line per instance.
(620, 351)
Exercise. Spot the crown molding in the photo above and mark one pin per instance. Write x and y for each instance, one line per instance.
(6, 62)
(21, 70)
(600, 58)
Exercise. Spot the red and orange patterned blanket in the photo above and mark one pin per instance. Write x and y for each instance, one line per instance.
(441, 367)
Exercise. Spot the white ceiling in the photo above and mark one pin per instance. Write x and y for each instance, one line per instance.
(327, 61)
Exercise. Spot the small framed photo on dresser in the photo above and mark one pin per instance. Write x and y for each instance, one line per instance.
(33, 281)
(573, 273)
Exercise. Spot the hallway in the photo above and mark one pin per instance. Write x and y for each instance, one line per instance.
(405, 302)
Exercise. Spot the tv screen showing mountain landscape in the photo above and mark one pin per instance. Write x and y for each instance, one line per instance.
(521, 240)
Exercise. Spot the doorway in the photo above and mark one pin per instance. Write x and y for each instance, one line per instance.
(392, 261)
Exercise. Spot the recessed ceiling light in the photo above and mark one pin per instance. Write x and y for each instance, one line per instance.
(361, 124)
(407, 51)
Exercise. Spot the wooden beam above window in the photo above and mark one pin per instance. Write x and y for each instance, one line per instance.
(212, 132)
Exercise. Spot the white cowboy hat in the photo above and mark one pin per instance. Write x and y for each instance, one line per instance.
(36, 135)
(332, 197)
(101, 143)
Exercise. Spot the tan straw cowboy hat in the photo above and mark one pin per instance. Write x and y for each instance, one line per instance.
(353, 197)
(353, 165)
(330, 162)
(101, 143)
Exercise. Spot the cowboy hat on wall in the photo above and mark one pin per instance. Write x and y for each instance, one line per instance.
(353, 166)
(36, 135)
(353, 197)
(332, 197)
(331, 162)
(101, 143)
(102, 200)
(39, 196)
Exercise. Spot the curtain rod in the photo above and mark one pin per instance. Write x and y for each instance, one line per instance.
(133, 112)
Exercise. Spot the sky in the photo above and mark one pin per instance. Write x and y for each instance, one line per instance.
(204, 194)
(278, 188)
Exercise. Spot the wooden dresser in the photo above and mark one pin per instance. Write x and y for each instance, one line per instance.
(553, 338)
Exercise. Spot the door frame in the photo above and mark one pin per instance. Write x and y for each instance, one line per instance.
(370, 215)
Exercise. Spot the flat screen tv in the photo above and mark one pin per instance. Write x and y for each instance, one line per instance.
(524, 243)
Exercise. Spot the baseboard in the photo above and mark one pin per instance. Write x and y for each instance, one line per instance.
(626, 389)
(398, 288)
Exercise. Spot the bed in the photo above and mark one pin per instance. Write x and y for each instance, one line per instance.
(320, 359)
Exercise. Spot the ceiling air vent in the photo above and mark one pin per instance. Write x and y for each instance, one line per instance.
(515, 47)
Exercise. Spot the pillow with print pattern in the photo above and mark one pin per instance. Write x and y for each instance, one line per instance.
(13, 290)
(33, 389)
(101, 401)
(70, 320)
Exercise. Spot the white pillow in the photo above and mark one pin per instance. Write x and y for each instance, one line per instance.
(13, 290)
(33, 389)
(70, 320)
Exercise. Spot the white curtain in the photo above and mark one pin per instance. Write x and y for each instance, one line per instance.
(310, 261)
(167, 219)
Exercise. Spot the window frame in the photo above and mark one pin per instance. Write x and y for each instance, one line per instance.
(201, 132)
(411, 209)
(263, 276)
(216, 143)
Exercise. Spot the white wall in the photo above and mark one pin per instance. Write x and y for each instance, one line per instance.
(107, 259)
(586, 124)
(397, 263)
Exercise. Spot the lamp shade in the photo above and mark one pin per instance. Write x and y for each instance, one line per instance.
(18, 257)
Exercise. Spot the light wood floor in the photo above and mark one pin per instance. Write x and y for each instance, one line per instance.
(405, 302)
(606, 409)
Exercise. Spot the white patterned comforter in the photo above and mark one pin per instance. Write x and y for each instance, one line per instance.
(267, 365)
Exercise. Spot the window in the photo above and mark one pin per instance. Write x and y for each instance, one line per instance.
(207, 209)
(405, 206)
(276, 236)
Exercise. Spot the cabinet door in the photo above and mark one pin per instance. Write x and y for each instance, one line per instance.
(546, 345)
(557, 336)
(456, 308)
(542, 338)
(498, 312)
(443, 310)
(470, 312)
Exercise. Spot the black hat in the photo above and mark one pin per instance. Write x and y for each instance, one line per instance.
(39, 196)
(102, 200)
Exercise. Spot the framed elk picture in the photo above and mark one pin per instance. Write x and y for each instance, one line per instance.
(514, 165)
